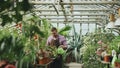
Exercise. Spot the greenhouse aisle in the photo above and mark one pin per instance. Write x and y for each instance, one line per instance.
(59, 33)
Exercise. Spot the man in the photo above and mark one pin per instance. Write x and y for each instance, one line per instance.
(59, 41)
(56, 40)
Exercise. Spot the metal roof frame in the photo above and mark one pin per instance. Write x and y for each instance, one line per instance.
(76, 3)
(100, 9)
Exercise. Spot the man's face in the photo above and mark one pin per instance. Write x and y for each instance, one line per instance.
(54, 33)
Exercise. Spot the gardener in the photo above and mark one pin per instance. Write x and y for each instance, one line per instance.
(59, 41)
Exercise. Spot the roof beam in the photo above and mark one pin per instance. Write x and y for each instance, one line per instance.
(74, 18)
(57, 11)
(75, 21)
(75, 3)
(63, 9)
(73, 10)
(73, 14)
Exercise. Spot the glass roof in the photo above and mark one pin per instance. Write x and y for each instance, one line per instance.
(81, 11)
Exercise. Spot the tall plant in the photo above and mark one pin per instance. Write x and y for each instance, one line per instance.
(74, 47)
(12, 45)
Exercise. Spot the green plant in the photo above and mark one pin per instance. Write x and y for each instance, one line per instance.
(91, 45)
(10, 38)
(12, 45)
(12, 11)
(74, 47)
(115, 44)
(117, 60)
(65, 30)
(26, 45)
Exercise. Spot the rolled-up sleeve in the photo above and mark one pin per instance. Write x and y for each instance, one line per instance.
(64, 42)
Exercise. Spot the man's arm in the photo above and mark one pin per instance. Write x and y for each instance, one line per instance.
(64, 43)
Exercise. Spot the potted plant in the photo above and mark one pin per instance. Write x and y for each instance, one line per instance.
(12, 45)
(90, 59)
(117, 63)
(45, 55)
(108, 56)
(73, 52)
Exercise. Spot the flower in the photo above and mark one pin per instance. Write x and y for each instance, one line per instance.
(100, 42)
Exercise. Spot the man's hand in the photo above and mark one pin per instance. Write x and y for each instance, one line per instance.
(62, 46)
(10, 66)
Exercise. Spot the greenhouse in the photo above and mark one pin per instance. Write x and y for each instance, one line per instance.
(59, 33)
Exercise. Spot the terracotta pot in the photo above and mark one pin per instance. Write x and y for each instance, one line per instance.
(116, 64)
(44, 60)
(107, 58)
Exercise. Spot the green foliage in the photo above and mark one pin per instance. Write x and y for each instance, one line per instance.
(91, 45)
(30, 26)
(46, 27)
(64, 31)
(60, 51)
(12, 47)
(22, 47)
(13, 11)
(117, 60)
(115, 44)
(74, 47)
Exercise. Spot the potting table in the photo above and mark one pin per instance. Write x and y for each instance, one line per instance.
(43, 65)
(106, 63)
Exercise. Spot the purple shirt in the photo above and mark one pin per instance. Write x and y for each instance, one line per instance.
(61, 38)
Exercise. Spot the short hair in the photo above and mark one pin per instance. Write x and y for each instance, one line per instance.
(54, 29)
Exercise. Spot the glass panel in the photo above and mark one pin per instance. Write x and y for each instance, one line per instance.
(77, 27)
(91, 27)
(84, 28)
(54, 24)
(61, 25)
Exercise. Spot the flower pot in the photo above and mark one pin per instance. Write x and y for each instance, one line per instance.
(44, 60)
(116, 64)
(107, 58)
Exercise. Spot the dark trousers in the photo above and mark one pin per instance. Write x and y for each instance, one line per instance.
(57, 63)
